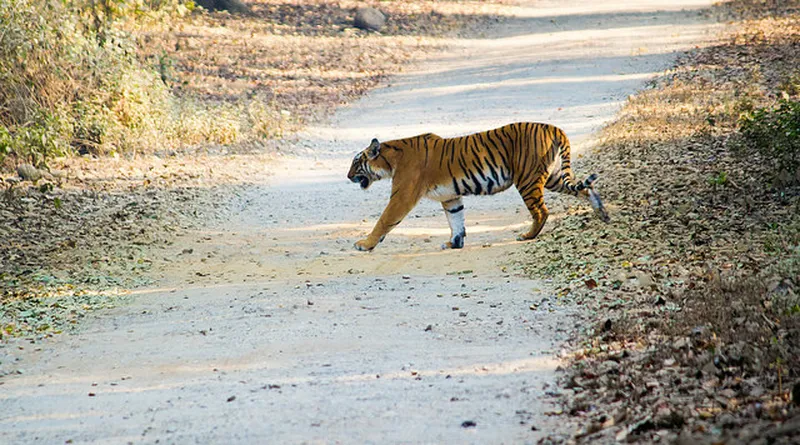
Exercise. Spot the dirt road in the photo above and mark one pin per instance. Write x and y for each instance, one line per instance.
(270, 328)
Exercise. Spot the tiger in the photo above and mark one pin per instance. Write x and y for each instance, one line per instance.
(530, 156)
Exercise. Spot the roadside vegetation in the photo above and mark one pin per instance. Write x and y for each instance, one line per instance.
(116, 77)
(124, 122)
(691, 330)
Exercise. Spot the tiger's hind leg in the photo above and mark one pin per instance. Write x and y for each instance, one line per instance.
(454, 210)
(533, 195)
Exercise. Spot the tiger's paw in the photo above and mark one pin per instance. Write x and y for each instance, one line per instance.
(456, 243)
(534, 232)
(525, 237)
(364, 245)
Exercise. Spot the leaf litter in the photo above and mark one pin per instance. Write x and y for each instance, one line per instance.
(689, 328)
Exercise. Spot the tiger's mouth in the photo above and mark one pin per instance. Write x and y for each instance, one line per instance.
(363, 181)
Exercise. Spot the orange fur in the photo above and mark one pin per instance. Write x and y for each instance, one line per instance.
(530, 156)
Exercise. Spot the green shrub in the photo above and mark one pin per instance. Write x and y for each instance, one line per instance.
(774, 132)
(71, 81)
(63, 89)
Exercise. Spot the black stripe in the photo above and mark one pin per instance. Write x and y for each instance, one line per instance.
(490, 162)
(466, 187)
(463, 165)
(551, 182)
(551, 156)
(475, 148)
(524, 186)
(520, 135)
(478, 188)
(472, 176)
(498, 148)
(387, 162)
(479, 168)
(523, 164)
(521, 161)
(455, 185)
(494, 174)
(456, 210)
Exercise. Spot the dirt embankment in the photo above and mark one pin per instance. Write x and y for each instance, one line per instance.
(690, 301)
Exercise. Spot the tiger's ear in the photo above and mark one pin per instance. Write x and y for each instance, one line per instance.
(374, 149)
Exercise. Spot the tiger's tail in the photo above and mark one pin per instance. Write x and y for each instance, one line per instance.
(583, 185)
(565, 182)
(559, 159)
(595, 201)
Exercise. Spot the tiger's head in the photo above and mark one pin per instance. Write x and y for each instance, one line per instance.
(369, 165)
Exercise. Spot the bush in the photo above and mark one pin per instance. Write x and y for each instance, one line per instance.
(774, 132)
(65, 89)
(72, 80)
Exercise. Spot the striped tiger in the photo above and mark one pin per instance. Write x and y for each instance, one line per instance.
(531, 156)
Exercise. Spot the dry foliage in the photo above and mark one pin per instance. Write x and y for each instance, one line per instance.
(235, 78)
(295, 59)
(62, 90)
(692, 326)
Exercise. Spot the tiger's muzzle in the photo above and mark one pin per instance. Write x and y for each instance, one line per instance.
(358, 174)
(363, 180)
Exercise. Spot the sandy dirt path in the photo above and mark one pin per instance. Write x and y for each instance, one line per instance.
(270, 328)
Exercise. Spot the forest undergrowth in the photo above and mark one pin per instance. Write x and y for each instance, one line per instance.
(690, 325)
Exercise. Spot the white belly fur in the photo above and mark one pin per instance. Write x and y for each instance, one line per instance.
(446, 192)
(442, 193)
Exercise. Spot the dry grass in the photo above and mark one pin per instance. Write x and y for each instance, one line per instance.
(234, 79)
(244, 77)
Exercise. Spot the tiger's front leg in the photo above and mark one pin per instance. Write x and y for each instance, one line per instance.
(454, 210)
(397, 209)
